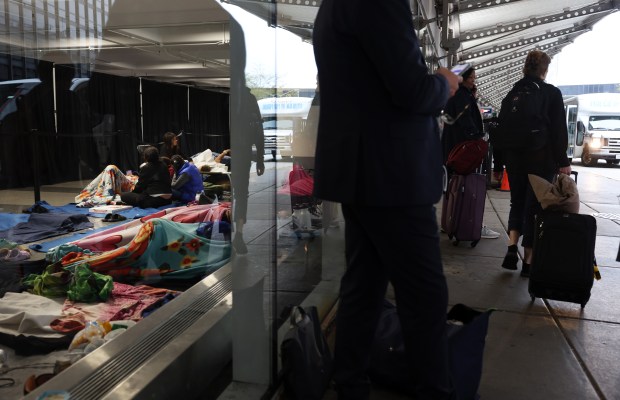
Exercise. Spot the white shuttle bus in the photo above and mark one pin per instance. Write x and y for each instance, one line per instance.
(283, 117)
(593, 122)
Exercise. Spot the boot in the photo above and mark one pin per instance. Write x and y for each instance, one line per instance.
(511, 258)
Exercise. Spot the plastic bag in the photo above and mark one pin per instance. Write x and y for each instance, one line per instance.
(93, 330)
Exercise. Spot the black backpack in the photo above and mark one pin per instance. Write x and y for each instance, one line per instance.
(522, 124)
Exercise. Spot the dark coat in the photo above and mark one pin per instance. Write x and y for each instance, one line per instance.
(468, 125)
(378, 139)
(154, 178)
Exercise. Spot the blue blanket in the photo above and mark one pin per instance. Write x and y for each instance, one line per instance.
(47, 245)
(44, 225)
(135, 212)
(9, 220)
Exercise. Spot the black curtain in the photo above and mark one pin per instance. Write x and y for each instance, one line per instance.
(28, 134)
(208, 121)
(164, 109)
(75, 144)
(114, 103)
(98, 122)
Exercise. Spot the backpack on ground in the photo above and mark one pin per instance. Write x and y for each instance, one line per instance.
(307, 362)
(466, 330)
(522, 124)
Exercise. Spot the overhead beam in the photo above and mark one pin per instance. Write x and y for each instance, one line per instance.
(483, 51)
(477, 5)
(523, 53)
(521, 25)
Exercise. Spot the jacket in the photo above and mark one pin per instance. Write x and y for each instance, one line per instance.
(153, 178)
(552, 156)
(192, 185)
(378, 130)
(468, 125)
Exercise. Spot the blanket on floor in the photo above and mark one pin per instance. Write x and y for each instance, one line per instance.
(42, 226)
(125, 303)
(161, 250)
(120, 235)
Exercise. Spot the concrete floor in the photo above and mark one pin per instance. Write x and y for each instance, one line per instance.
(539, 350)
(542, 349)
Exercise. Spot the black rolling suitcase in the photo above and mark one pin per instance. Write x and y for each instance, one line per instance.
(563, 262)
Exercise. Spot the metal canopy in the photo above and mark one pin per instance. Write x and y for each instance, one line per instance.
(493, 35)
(496, 37)
(188, 41)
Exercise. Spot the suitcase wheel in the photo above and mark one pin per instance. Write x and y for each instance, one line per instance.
(455, 243)
(583, 305)
(474, 243)
(532, 298)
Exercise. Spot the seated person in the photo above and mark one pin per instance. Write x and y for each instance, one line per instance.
(170, 145)
(102, 190)
(187, 180)
(168, 163)
(152, 189)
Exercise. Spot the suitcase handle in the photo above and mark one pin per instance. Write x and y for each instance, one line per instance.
(576, 173)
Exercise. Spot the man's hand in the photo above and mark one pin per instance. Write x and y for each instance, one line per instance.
(565, 170)
(451, 77)
(260, 167)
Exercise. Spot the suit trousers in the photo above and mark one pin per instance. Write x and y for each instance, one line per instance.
(398, 245)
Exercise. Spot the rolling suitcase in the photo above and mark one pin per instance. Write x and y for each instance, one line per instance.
(563, 262)
(463, 208)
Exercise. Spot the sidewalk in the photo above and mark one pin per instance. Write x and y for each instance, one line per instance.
(543, 350)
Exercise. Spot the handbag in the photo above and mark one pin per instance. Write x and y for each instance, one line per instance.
(466, 331)
(466, 156)
(307, 363)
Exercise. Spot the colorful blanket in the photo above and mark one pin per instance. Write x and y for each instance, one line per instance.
(125, 303)
(110, 182)
(161, 250)
(122, 234)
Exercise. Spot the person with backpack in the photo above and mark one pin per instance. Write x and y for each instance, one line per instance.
(533, 138)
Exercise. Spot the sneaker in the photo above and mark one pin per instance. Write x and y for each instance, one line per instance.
(511, 259)
(487, 233)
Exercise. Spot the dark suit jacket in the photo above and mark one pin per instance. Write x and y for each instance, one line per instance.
(378, 141)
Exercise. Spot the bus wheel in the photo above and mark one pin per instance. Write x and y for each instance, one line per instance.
(587, 159)
(614, 162)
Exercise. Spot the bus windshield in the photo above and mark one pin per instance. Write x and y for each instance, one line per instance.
(604, 123)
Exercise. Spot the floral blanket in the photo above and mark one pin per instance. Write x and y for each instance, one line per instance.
(161, 250)
(110, 182)
(122, 234)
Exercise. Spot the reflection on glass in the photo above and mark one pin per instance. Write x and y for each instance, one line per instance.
(86, 86)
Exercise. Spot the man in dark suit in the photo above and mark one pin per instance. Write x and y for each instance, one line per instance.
(379, 154)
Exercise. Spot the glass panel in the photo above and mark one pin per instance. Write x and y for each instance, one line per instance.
(79, 117)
